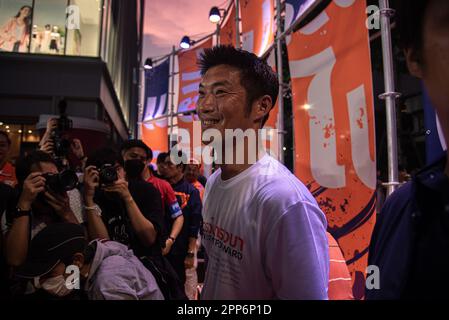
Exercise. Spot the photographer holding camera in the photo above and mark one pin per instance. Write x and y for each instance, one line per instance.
(43, 201)
(54, 144)
(131, 213)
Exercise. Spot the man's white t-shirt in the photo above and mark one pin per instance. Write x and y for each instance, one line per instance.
(264, 235)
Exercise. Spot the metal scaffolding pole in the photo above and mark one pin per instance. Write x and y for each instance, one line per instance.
(281, 131)
(218, 35)
(172, 94)
(238, 43)
(389, 96)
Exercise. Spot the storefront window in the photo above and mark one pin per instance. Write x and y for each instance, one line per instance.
(59, 27)
(24, 138)
(15, 25)
(83, 35)
(48, 31)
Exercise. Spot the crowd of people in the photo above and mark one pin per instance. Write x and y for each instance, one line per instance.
(131, 231)
(112, 227)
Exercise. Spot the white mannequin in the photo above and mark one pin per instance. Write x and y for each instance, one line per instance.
(45, 39)
(55, 41)
(35, 41)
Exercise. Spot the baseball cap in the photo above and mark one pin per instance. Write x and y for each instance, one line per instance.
(53, 244)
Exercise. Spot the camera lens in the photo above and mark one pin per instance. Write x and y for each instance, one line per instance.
(68, 180)
(108, 175)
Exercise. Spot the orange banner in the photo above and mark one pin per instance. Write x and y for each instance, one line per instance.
(189, 80)
(155, 135)
(334, 125)
(227, 31)
(257, 25)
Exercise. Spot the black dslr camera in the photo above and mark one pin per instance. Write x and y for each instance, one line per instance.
(107, 175)
(61, 145)
(61, 182)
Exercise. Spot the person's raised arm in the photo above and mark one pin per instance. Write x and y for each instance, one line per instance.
(95, 225)
(17, 237)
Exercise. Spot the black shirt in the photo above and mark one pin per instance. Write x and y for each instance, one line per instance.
(117, 221)
(410, 242)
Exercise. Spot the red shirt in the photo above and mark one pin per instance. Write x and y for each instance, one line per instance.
(8, 175)
(167, 195)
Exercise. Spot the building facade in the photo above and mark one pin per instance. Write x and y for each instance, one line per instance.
(85, 52)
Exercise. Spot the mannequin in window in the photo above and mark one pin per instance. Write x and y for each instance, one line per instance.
(55, 40)
(15, 34)
(35, 40)
(45, 39)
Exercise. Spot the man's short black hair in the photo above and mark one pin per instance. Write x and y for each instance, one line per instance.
(162, 156)
(24, 164)
(135, 143)
(3, 133)
(256, 76)
(104, 156)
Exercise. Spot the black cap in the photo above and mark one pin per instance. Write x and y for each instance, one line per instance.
(134, 143)
(49, 247)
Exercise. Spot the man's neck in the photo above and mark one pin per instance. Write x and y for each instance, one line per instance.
(146, 174)
(229, 171)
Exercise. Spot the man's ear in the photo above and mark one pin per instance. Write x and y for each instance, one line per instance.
(262, 107)
(78, 259)
(414, 62)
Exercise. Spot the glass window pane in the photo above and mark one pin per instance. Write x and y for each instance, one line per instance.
(49, 27)
(15, 25)
(83, 35)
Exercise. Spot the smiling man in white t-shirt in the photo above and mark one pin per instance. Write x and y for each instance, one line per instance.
(263, 231)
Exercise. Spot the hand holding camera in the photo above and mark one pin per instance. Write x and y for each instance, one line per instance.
(56, 183)
(91, 182)
(59, 202)
(121, 187)
(32, 186)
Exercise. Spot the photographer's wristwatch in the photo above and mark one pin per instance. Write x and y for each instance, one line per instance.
(21, 213)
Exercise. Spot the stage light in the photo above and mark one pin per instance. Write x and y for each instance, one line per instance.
(185, 42)
(148, 64)
(214, 15)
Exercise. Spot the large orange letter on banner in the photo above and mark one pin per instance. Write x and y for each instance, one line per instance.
(334, 125)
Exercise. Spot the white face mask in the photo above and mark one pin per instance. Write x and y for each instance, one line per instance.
(56, 286)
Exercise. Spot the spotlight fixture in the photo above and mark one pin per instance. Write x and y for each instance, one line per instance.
(214, 15)
(185, 42)
(148, 64)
